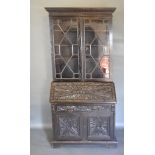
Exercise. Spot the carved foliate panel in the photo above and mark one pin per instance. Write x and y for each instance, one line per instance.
(69, 126)
(83, 91)
(98, 128)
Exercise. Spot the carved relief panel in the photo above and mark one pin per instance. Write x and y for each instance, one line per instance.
(68, 127)
(83, 92)
(98, 128)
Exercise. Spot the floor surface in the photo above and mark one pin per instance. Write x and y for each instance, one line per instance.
(40, 145)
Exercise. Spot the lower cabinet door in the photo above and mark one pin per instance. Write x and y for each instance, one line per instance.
(98, 128)
(67, 126)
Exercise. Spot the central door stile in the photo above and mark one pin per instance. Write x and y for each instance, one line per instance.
(82, 49)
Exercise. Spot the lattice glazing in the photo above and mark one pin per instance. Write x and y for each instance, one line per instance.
(70, 54)
(66, 48)
(96, 47)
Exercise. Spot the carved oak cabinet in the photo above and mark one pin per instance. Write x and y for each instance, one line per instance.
(82, 94)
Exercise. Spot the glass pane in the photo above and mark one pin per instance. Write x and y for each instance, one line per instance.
(97, 73)
(74, 65)
(76, 75)
(58, 35)
(66, 52)
(58, 76)
(64, 23)
(87, 50)
(75, 50)
(90, 64)
(72, 35)
(97, 51)
(104, 66)
(89, 35)
(57, 50)
(59, 64)
(67, 73)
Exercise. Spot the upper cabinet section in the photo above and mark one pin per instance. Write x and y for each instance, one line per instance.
(81, 40)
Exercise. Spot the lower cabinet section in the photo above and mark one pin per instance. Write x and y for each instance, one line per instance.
(88, 124)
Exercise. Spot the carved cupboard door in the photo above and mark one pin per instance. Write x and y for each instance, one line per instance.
(100, 125)
(68, 126)
(98, 128)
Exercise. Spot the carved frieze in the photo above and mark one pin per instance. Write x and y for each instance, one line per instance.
(81, 108)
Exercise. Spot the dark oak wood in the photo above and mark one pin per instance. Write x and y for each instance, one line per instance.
(104, 12)
(80, 10)
(82, 95)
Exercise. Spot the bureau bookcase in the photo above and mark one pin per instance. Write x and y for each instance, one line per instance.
(82, 94)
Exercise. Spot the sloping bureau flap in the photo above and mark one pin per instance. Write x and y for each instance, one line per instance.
(86, 92)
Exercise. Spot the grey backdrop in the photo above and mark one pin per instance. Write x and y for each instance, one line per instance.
(41, 70)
